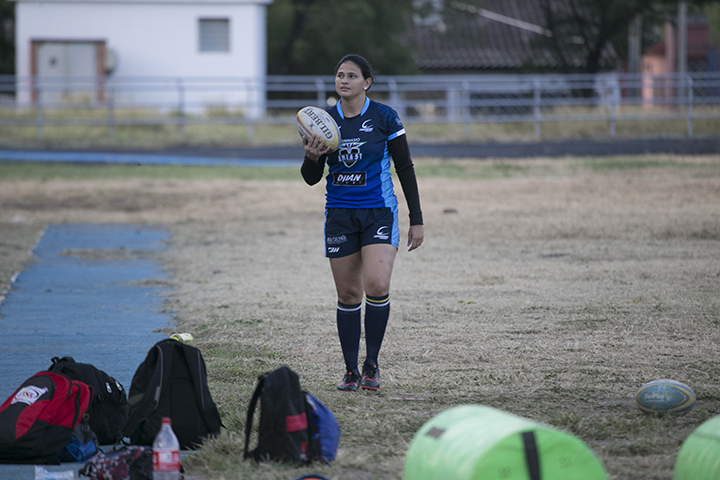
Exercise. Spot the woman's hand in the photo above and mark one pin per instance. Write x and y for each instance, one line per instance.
(416, 235)
(315, 148)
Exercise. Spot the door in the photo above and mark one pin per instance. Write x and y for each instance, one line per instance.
(67, 71)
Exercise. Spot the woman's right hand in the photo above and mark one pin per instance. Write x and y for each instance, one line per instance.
(315, 148)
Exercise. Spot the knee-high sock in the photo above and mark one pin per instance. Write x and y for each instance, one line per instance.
(377, 312)
(348, 325)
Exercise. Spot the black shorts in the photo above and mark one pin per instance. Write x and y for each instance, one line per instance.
(347, 230)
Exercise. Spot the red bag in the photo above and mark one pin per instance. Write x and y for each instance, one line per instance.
(37, 421)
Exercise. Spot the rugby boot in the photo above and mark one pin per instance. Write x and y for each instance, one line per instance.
(370, 377)
(350, 382)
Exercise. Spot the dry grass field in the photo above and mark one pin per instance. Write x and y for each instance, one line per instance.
(548, 288)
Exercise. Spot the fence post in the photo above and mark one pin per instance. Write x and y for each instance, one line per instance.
(181, 108)
(690, 99)
(320, 88)
(537, 98)
(395, 101)
(614, 98)
(40, 114)
(250, 120)
(466, 107)
(110, 113)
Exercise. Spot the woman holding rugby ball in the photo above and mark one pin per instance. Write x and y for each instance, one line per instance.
(361, 215)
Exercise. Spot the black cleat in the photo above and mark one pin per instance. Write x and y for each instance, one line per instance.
(350, 382)
(370, 377)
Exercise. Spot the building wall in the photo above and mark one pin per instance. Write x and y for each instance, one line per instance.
(155, 39)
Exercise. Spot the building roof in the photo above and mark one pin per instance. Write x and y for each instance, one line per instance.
(502, 35)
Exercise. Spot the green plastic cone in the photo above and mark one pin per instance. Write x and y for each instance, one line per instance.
(474, 442)
(699, 456)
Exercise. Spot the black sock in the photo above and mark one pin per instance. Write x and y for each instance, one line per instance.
(348, 325)
(377, 312)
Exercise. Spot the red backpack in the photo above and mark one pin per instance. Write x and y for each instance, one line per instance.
(37, 421)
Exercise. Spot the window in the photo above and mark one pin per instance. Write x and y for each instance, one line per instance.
(214, 35)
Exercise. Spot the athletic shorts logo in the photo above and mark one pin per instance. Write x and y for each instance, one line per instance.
(29, 395)
(382, 233)
(336, 240)
(333, 249)
(356, 179)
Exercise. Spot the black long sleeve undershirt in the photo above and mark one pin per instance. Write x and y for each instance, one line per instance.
(312, 173)
(400, 153)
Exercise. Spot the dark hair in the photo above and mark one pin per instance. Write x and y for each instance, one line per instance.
(362, 64)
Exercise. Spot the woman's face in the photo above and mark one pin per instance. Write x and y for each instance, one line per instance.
(349, 81)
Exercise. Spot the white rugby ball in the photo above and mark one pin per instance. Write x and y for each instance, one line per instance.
(314, 120)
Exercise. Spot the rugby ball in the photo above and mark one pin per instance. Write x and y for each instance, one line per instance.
(314, 120)
(665, 396)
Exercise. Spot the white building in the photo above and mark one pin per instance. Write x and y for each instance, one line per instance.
(191, 54)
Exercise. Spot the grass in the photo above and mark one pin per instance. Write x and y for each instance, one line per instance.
(548, 288)
(155, 129)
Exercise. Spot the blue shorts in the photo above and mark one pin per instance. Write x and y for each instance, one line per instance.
(347, 230)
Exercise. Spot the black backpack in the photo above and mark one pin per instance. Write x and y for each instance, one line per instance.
(171, 382)
(108, 410)
(294, 427)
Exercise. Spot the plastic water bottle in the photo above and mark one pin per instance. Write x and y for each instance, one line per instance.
(166, 453)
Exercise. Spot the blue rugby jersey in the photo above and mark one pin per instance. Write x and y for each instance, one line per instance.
(359, 170)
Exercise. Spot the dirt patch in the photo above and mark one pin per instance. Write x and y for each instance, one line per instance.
(552, 293)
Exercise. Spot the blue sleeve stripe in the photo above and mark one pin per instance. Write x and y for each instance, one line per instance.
(396, 134)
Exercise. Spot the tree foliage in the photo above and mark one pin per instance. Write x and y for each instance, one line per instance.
(713, 15)
(597, 30)
(7, 40)
(308, 37)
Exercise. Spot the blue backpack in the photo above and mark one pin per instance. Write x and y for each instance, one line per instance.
(324, 429)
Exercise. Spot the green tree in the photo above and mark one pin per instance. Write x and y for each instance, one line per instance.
(713, 15)
(308, 37)
(7, 40)
(597, 30)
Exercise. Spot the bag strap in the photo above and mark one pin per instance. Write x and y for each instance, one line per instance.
(150, 398)
(251, 411)
(531, 455)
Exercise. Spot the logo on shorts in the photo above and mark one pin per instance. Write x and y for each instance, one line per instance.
(382, 233)
(29, 395)
(336, 240)
(333, 249)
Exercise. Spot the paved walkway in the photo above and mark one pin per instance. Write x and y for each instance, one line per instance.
(93, 292)
(291, 155)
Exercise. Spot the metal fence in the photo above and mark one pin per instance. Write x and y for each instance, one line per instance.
(463, 99)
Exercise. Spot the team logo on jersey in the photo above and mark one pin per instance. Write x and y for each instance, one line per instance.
(349, 152)
(367, 126)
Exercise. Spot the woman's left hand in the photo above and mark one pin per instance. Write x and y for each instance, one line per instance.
(416, 235)
(315, 147)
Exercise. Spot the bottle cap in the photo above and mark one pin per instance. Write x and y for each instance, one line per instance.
(166, 420)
